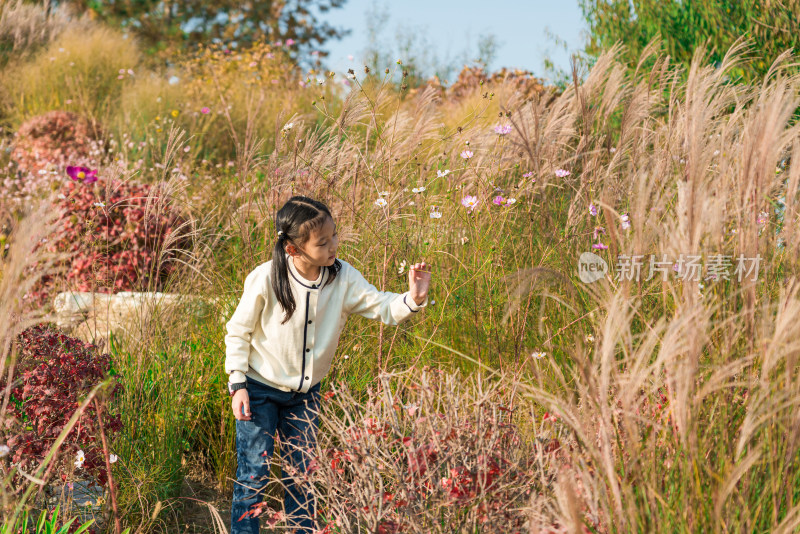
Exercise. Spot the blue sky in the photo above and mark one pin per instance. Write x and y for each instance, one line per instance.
(447, 28)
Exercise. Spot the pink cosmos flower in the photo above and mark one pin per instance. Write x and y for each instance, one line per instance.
(466, 154)
(205, 111)
(528, 174)
(469, 202)
(83, 174)
(562, 173)
(592, 210)
(599, 246)
(289, 42)
(502, 129)
(499, 200)
(626, 221)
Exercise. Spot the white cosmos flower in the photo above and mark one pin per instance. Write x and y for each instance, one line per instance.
(112, 458)
(538, 355)
(79, 459)
(381, 202)
(442, 174)
(418, 189)
(288, 126)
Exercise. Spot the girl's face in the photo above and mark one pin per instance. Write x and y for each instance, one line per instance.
(320, 249)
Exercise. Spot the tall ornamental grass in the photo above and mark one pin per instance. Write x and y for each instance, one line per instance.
(643, 403)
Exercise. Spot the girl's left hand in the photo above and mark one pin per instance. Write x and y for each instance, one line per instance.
(419, 280)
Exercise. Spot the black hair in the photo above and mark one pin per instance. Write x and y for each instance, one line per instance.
(296, 220)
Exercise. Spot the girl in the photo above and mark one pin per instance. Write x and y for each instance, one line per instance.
(280, 343)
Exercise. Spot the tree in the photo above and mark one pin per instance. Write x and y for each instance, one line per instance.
(160, 23)
(772, 26)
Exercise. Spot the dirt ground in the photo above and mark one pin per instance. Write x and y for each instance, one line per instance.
(199, 491)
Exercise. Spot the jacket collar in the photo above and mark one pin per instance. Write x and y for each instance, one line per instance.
(308, 284)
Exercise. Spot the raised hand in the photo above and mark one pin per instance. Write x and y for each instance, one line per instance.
(419, 280)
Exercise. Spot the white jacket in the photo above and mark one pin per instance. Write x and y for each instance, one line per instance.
(296, 355)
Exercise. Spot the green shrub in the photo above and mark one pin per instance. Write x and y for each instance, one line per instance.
(46, 524)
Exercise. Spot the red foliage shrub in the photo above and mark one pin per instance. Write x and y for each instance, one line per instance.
(56, 138)
(424, 462)
(54, 373)
(470, 78)
(116, 238)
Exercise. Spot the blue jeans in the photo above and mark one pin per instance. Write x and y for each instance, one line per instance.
(294, 416)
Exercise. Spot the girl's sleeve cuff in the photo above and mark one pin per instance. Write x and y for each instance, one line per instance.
(236, 377)
(413, 305)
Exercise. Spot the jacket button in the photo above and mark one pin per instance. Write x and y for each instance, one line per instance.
(308, 350)
(309, 321)
(306, 378)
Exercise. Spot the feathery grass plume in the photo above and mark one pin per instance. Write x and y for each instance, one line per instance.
(789, 233)
(768, 130)
(680, 400)
(82, 67)
(26, 27)
(16, 280)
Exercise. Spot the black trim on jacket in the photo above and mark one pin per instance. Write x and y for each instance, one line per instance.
(409, 307)
(305, 330)
(324, 270)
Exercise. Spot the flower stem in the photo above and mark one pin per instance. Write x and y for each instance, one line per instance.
(112, 491)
